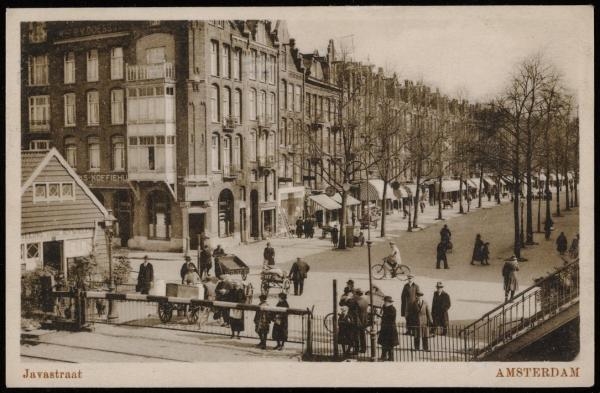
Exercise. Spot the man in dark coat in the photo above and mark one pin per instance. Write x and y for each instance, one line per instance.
(359, 310)
(445, 234)
(334, 235)
(439, 309)
(269, 255)
(145, 276)
(477, 250)
(262, 322)
(388, 335)
(561, 243)
(307, 227)
(441, 255)
(205, 261)
(408, 297)
(423, 320)
(298, 274)
(218, 252)
(299, 228)
(187, 270)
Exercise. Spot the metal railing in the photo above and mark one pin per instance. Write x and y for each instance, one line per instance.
(140, 72)
(547, 297)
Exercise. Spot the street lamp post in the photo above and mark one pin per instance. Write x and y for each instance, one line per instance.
(108, 227)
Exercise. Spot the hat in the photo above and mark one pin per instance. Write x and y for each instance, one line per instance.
(347, 290)
(410, 276)
(282, 295)
(145, 256)
(188, 258)
(388, 299)
(262, 297)
(350, 282)
(419, 293)
(358, 291)
(439, 285)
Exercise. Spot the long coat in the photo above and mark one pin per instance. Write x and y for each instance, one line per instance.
(236, 317)
(439, 309)
(205, 259)
(561, 243)
(409, 295)
(269, 255)
(280, 325)
(299, 271)
(145, 277)
(477, 249)
(510, 277)
(388, 335)
(422, 317)
(262, 320)
(334, 235)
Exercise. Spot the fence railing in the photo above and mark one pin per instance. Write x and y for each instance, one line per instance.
(531, 307)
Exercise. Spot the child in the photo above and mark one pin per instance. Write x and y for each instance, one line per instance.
(485, 253)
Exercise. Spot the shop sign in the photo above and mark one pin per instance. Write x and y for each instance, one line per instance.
(98, 179)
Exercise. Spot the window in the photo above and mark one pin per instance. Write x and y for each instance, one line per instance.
(226, 103)
(155, 55)
(71, 151)
(237, 152)
(252, 103)
(308, 104)
(93, 108)
(271, 70)
(94, 153)
(271, 107)
(226, 153)
(262, 67)
(214, 104)
(37, 32)
(284, 58)
(297, 99)
(253, 65)
(47, 192)
(237, 105)
(41, 145)
(290, 97)
(170, 139)
(252, 146)
(39, 113)
(116, 63)
(33, 250)
(116, 106)
(225, 61)
(215, 152)
(271, 145)
(38, 70)
(69, 68)
(92, 65)
(69, 109)
(237, 64)
(214, 58)
(262, 101)
(118, 153)
(282, 95)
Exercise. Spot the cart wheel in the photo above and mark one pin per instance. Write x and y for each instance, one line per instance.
(264, 288)
(193, 314)
(378, 271)
(244, 276)
(286, 285)
(165, 312)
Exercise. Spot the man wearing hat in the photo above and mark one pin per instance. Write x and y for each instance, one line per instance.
(298, 274)
(358, 308)
(205, 261)
(349, 285)
(394, 258)
(511, 266)
(408, 297)
(145, 277)
(262, 322)
(439, 309)
(188, 271)
(269, 255)
(422, 320)
(388, 335)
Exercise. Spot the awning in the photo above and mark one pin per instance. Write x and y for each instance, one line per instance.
(542, 177)
(291, 192)
(489, 181)
(350, 200)
(325, 202)
(473, 182)
(374, 191)
(450, 185)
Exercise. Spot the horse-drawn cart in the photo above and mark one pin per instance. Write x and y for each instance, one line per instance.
(231, 264)
(274, 278)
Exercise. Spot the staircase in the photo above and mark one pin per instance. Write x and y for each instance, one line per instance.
(550, 304)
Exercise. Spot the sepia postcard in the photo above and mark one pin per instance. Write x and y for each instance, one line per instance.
(300, 197)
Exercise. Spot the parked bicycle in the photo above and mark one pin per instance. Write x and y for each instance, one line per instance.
(328, 320)
(382, 270)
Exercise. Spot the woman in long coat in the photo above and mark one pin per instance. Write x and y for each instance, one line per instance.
(345, 338)
(510, 277)
(477, 250)
(236, 317)
(388, 335)
(280, 323)
(262, 323)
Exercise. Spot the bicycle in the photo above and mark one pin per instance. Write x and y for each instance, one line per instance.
(380, 271)
(328, 320)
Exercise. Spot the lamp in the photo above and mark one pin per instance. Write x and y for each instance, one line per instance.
(108, 228)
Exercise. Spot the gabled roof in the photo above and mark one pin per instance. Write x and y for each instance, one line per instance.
(32, 164)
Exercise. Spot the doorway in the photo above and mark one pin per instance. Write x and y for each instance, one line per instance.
(254, 213)
(226, 213)
(123, 211)
(243, 225)
(53, 255)
(196, 227)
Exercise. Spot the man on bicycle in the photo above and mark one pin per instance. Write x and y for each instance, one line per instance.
(393, 260)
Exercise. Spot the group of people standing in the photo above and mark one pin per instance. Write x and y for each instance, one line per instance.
(305, 227)
(264, 318)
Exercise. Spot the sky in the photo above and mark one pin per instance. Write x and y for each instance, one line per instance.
(466, 51)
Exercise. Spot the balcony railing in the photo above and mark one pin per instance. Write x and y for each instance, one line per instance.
(229, 123)
(266, 161)
(39, 125)
(231, 171)
(141, 72)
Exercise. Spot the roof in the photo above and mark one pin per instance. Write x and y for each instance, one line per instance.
(450, 185)
(32, 164)
(350, 200)
(30, 160)
(325, 202)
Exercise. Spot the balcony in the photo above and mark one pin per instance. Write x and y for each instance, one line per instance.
(229, 123)
(39, 125)
(264, 121)
(231, 171)
(142, 72)
(266, 161)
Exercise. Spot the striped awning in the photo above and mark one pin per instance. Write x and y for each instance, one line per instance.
(350, 200)
(489, 181)
(325, 202)
(473, 183)
(373, 191)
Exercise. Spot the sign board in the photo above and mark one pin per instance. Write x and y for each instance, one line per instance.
(100, 179)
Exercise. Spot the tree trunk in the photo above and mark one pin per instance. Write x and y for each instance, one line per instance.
(566, 190)
(342, 238)
(460, 195)
(529, 201)
(439, 198)
(417, 194)
(516, 192)
(539, 212)
(557, 195)
(480, 187)
(384, 208)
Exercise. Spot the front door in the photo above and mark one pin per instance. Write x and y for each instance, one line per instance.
(254, 218)
(123, 213)
(243, 225)
(196, 227)
(53, 255)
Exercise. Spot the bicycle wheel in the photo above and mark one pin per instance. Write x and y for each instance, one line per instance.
(378, 271)
(402, 272)
(328, 322)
